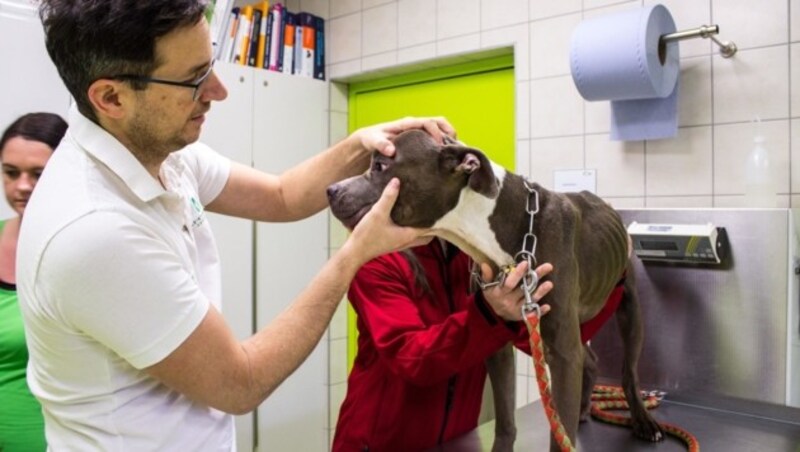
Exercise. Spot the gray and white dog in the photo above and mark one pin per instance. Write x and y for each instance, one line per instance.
(464, 198)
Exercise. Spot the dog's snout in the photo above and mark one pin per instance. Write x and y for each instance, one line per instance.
(332, 190)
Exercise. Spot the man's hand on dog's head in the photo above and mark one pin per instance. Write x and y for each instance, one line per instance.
(507, 299)
(379, 137)
(377, 234)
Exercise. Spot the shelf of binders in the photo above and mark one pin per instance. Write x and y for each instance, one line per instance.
(271, 37)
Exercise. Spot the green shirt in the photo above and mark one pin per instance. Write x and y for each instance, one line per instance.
(21, 423)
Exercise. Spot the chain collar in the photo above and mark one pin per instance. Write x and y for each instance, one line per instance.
(528, 253)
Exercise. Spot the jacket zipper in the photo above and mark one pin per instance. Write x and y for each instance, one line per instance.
(451, 383)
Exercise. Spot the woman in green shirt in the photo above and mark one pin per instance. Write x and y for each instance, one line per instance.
(25, 147)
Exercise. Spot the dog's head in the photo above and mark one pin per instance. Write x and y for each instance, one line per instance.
(432, 177)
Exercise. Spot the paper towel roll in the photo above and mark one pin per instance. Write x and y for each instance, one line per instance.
(618, 57)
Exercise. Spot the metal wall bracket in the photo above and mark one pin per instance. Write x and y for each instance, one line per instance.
(726, 48)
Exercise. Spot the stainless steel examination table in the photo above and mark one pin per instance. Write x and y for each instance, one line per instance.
(715, 430)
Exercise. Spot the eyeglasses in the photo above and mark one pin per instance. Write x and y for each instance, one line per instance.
(194, 84)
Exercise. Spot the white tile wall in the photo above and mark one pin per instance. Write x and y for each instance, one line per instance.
(681, 166)
(416, 53)
(556, 107)
(682, 202)
(457, 18)
(598, 116)
(515, 36)
(522, 101)
(458, 45)
(755, 83)
(380, 29)
(749, 26)
(379, 61)
(795, 158)
(550, 154)
(416, 23)
(592, 4)
(502, 13)
(342, 7)
(794, 58)
(732, 142)
(550, 41)
(542, 9)
(370, 3)
(317, 7)
(345, 41)
(694, 95)
(557, 129)
(619, 165)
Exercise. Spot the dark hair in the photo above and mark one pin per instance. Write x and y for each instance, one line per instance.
(419, 272)
(47, 128)
(92, 39)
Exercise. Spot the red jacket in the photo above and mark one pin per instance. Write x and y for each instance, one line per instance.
(418, 377)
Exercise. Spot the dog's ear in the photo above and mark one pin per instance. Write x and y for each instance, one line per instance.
(474, 164)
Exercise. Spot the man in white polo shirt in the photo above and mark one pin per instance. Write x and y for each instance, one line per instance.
(118, 274)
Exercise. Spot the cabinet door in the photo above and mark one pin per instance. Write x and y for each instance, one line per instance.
(290, 115)
(228, 130)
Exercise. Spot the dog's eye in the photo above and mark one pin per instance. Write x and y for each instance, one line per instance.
(378, 166)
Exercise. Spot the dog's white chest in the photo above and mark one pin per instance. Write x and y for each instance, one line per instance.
(467, 225)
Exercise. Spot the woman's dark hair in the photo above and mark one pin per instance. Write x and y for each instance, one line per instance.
(47, 128)
(92, 39)
(419, 272)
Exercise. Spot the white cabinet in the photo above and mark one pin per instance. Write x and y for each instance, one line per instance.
(290, 126)
(273, 121)
(229, 130)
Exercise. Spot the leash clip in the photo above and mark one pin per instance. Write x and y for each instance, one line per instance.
(531, 308)
(529, 283)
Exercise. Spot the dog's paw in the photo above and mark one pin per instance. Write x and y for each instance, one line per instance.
(648, 430)
(503, 444)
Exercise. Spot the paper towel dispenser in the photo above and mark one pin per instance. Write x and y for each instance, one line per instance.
(687, 243)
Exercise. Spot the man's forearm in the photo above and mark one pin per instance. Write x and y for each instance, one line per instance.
(277, 350)
(304, 185)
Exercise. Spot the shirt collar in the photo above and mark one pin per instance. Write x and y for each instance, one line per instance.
(114, 155)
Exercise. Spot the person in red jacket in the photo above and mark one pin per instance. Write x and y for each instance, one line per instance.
(419, 373)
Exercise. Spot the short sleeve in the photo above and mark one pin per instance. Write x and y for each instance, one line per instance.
(114, 280)
(209, 170)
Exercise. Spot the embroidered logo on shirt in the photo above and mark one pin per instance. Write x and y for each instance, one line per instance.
(198, 213)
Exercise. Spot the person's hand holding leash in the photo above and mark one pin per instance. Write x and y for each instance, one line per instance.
(507, 299)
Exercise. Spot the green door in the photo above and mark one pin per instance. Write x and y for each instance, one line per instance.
(476, 97)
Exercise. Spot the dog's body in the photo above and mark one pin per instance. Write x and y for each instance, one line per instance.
(477, 205)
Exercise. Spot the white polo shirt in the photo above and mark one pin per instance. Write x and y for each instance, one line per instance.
(114, 272)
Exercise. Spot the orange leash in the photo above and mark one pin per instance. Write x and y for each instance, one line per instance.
(543, 381)
(606, 398)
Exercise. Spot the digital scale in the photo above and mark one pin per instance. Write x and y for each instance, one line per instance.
(687, 243)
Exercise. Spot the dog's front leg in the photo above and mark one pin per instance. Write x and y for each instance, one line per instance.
(500, 367)
(564, 352)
